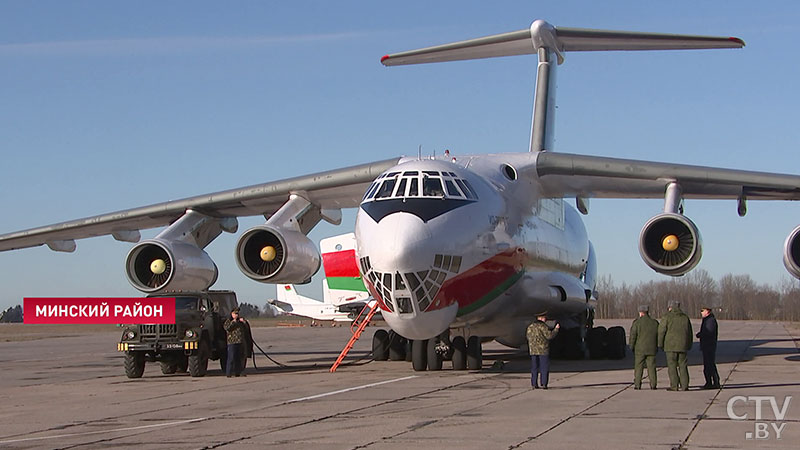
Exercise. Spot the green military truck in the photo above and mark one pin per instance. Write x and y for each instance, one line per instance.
(196, 336)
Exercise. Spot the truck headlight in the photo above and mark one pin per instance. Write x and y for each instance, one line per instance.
(189, 333)
(130, 335)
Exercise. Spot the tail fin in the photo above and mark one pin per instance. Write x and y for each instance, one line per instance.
(558, 39)
(549, 42)
(343, 283)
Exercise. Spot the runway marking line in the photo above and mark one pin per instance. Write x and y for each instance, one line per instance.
(326, 394)
(200, 419)
(168, 424)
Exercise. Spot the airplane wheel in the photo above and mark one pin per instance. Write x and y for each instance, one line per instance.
(596, 341)
(419, 355)
(134, 364)
(434, 358)
(380, 345)
(397, 347)
(616, 346)
(474, 353)
(407, 346)
(459, 353)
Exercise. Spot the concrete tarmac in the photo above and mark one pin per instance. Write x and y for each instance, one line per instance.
(71, 392)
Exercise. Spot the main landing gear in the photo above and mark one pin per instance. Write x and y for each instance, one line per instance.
(428, 354)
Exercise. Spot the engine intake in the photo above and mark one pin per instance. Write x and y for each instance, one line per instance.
(791, 253)
(670, 244)
(159, 264)
(273, 255)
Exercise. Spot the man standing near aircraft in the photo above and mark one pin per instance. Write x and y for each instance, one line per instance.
(675, 337)
(708, 345)
(644, 343)
(539, 337)
(235, 327)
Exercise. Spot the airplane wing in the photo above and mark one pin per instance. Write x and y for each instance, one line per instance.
(335, 189)
(564, 175)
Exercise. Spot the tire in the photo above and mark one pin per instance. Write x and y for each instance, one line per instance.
(434, 358)
(573, 346)
(596, 342)
(397, 347)
(407, 346)
(380, 345)
(474, 353)
(616, 345)
(198, 360)
(134, 364)
(169, 367)
(459, 353)
(419, 355)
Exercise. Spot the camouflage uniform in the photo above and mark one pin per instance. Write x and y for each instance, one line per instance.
(235, 331)
(675, 337)
(644, 343)
(539, 337)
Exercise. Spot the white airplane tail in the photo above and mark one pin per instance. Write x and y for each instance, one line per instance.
(548, 42)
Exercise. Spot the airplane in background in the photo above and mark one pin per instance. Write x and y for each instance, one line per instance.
(290, 302)
(343, 291)
(457, 250)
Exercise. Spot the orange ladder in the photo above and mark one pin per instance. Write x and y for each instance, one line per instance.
(357, 327)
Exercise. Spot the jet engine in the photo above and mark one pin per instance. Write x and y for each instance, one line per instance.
(791, 253)
(670, 244)
(159, 264)
(274, 255)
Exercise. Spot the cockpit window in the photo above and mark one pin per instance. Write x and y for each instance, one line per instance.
(413, 191)
(452, 190)
(432, 187)
(386, 188)
(415, 184)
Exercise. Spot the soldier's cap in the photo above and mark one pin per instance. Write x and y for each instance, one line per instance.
(644, 308)
(707, 308)
(674, 304)
(235, 310)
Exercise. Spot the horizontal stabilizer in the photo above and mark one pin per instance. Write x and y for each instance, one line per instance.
(543, 35)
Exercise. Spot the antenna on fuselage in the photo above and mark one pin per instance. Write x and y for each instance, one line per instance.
(549, 44)
(419, 153)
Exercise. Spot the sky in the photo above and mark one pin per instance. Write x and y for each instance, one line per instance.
(113, 105)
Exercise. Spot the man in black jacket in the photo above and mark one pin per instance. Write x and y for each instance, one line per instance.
(708, 345)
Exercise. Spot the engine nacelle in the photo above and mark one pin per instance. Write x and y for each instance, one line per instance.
(791, 253)
(273, 255)
(159, 264)
(670, 244)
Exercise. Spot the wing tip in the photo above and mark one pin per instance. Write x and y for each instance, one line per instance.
(737, 40)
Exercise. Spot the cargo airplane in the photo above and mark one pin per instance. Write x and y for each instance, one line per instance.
(457, 250)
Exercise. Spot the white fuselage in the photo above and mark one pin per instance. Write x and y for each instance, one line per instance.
(479, 252)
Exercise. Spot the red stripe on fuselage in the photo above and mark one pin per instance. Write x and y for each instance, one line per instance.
(340, 264)
(477, 282)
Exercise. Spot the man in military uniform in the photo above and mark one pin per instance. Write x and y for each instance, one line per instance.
(235, 328)
(675, 337)
(708, 345)
(644, 343)
(539, 337)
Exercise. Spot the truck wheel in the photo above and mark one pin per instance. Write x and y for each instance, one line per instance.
(169, 367)
(134, 364)
(198, 360)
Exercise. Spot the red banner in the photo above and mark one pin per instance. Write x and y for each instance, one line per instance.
(47, 310)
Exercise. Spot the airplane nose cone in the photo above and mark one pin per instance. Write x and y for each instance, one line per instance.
(402, 243)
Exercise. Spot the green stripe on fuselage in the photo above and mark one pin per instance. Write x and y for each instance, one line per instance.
(491, 295)
(347, 284)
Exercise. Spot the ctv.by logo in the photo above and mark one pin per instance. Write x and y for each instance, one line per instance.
(762, 428)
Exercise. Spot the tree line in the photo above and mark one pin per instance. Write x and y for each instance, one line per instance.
(733, 297)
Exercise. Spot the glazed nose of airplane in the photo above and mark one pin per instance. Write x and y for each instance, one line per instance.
(402, 257)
